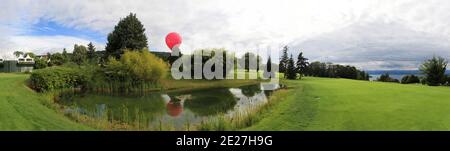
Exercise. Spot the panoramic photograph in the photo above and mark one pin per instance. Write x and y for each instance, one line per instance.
(224, 65)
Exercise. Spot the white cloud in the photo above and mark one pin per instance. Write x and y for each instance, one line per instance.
(249, 24)
(44, 44)
(387, 46)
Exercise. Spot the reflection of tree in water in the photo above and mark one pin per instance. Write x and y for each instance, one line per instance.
(250, 90)
(210, 102)
(268, 92)
(116, 107)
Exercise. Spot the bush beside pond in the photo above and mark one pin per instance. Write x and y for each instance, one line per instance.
(56, 78)
(134, 71)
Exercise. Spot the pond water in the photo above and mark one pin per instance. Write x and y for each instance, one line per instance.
(176, 109)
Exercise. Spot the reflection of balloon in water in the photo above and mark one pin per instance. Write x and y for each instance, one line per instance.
(173, 39)
(174, 108)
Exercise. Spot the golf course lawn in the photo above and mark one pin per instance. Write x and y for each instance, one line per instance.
(22, 109)
(341, 104)
(307, 104)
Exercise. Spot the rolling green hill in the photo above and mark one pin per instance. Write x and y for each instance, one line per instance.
(22, 109)
(340, 104)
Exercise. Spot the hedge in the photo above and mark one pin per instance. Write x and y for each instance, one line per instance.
(57, 78)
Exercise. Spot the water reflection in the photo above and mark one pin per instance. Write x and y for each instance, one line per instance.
(175, 106)
(175, 109)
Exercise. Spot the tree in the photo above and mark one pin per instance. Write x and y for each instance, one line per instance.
(408, 79)
(330, 70)
(386, 78)
(447, 80)
(79, 54)
(91, 51)
(302, 64)
(171, 59)
(250, 57)
(434, 71)
(362, 75)
(268, 70)
(318, 69)
(136, 67)
(56, 59)
(40, 63)
(128, 34)
(31, 54)
(18, 53)
(291, 73)
(66, 56)
(284, 60)
(209, 55)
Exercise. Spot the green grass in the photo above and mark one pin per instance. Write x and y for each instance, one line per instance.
(182, 85)
(22, 109)
(308, 104)
(341, 104)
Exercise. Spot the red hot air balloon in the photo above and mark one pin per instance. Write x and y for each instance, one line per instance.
(173, 39)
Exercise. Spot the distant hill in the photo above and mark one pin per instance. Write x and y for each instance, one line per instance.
(396, 74)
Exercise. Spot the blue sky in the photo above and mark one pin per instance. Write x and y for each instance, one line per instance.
(50, 28)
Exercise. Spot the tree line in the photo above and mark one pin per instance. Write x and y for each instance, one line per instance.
(301, 67)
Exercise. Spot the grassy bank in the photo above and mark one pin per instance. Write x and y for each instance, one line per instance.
(340, 104)
(22, 109)
(180, 85)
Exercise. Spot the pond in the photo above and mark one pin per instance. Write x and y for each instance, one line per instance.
(173, 109)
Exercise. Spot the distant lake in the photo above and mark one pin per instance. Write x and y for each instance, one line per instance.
(396, 74)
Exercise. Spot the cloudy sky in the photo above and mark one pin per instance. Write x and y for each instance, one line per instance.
(370, 34)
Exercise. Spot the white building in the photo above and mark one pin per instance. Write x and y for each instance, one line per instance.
(18, 64)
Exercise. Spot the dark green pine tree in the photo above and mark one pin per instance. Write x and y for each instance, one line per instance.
(291, 72)
(301, 64)
(269, 65)
(129, 33)
(283, 60)
(268, 70)
(91, 51)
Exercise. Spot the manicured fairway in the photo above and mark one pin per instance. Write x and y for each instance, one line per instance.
(340, 104)
(21, 108)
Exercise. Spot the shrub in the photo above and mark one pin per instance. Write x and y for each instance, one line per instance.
(57, 59)
(56, 78)
(40, 64)
(136, 66)
(135, 70)
(79, 55)
(386, 78)
(447, 80)
(408, 79)
(144, 65)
